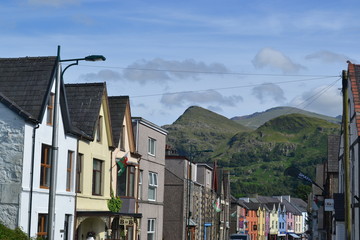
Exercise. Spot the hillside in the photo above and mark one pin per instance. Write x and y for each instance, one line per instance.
(202, 129)
(256, 158)
(259, 118)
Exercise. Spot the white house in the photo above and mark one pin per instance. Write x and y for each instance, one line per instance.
(26, 125)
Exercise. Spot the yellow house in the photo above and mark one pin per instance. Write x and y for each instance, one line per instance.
(89, 113)
(124, 181)
(261, 212)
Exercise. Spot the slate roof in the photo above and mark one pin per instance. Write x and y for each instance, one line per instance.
(25, 84)
(333, 153)
(252, 205)
(267, 199)
(117, 106)
(84, 102)
(299, 204)
(291, 208)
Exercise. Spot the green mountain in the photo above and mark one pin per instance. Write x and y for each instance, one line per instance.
(256, 158)
(259, 118)
(200, 129)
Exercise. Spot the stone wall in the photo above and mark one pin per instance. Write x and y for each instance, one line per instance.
(11, 155)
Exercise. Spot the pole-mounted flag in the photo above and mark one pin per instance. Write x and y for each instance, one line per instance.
(122, 163)
(217, 205)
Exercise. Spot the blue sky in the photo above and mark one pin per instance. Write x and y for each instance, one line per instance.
(232, 57)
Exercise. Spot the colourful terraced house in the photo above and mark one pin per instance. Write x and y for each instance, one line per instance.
(251, 219)
(282, 222)
(274, 220)
(261, 213)
(89, 112)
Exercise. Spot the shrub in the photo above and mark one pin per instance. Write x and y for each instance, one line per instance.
(10, 234)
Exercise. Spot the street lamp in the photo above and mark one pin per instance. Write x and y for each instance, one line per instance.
(193, 153)
(54, 150)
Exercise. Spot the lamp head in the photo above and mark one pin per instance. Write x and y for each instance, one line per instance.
(94, 58)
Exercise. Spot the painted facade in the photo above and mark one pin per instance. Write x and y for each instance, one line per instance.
(150, 143)
(124, 184)
(30, 178)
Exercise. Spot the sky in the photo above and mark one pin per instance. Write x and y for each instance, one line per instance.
(233, 57)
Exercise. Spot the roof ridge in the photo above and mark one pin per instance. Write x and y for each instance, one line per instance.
(87, 84)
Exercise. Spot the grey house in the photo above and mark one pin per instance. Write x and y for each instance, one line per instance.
(150, 144)
(191, 190)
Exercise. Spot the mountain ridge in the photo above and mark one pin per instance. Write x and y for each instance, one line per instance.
(255, 158)
(256, 119)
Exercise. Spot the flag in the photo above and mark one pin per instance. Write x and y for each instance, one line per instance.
(217, 205)
(317, 203)
(122, 163)
(214, 177)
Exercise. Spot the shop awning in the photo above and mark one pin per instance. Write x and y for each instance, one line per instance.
(294, 235)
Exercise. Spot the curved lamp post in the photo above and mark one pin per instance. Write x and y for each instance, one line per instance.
(54, 150)
(193, 153)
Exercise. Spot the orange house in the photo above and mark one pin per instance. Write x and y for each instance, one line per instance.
(252, 220)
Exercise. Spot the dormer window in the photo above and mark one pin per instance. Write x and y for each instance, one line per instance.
(50, 109)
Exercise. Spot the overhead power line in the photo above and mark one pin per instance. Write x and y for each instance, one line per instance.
(231, 87)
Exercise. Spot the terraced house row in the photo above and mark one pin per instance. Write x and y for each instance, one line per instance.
(262, 217)
(102, 153)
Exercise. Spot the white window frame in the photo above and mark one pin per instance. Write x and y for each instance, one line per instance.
(151, 228)
(153, 184)
(140, 185)
(152, 146)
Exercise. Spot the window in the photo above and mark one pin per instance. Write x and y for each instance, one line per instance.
(66, 227)
(42, 226)
(79, 163)
(126, 182)
(99, 129)
(122, 138)
(140, 184)
(69, 170)
(131, 182)
(50, 109)
(151, 229)
(152, 186)
(151, 146)
(97, 177)
(45, 166)
(121, 183)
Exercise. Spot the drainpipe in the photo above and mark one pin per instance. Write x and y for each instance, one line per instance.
(32, 178)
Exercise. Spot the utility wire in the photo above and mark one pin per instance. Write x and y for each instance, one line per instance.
(320, 93)
(314, 97)
(225, 88)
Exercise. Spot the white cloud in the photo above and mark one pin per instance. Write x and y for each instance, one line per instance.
(102, 75)
(54, 3)
(160, 70)
(193, 98)
(320, 100)
(269, 91)
(329, 57)
(268, 57)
